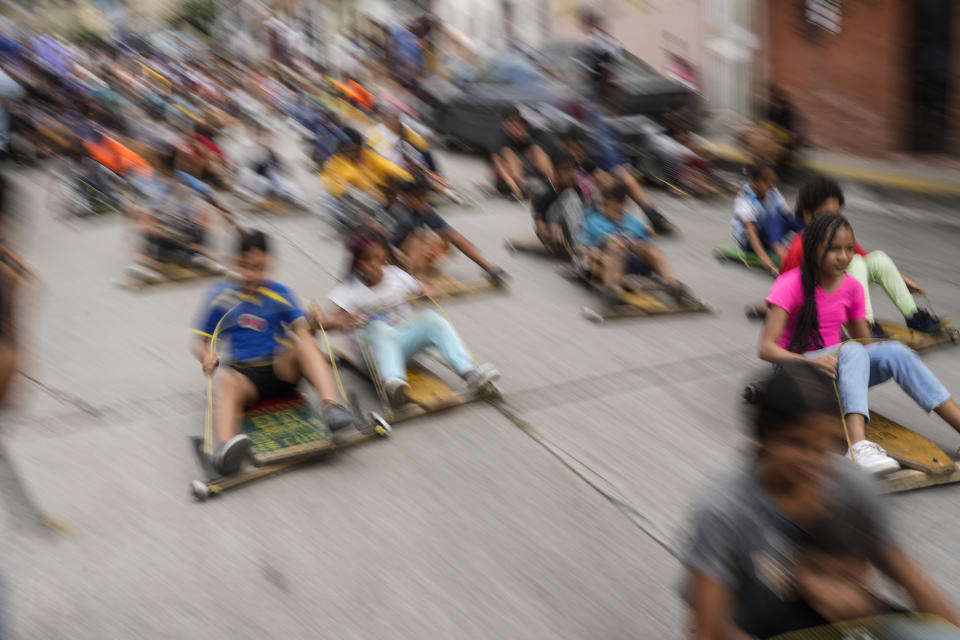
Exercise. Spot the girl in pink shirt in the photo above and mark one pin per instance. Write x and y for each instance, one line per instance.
(807, 309)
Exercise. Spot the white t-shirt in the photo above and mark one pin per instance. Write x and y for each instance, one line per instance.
(386, 300)
(748, 208)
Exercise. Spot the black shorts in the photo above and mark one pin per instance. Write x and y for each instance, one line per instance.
(266, 382)
(634, 267)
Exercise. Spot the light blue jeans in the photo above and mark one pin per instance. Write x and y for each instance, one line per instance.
(394, 347)
(863, 366)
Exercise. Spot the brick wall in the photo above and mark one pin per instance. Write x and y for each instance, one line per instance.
(849, 88)
(955, 112)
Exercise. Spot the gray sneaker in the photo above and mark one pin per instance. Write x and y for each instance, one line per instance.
(142, 273)
(337, 417)
(229, 456)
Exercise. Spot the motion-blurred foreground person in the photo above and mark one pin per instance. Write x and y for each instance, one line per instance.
(786, 543)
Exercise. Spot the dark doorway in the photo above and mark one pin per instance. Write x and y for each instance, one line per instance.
(930, 74)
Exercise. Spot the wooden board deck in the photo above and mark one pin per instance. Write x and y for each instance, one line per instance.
(921, 341)
(285, 429)
(428, 391)
(882, 627)
(907, 447)
(214, 485)
(646, 297)
(447, 286)
(533, 246)
(171, 272)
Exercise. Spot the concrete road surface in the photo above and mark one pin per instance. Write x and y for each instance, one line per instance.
(561, 523)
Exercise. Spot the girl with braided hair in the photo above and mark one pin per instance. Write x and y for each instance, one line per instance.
(808, 307)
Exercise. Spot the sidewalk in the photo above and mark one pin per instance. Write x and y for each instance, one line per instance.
(940, 176)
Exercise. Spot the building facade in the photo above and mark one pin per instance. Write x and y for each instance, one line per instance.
(871, 78)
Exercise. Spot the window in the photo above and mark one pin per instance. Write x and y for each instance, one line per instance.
(823, 14)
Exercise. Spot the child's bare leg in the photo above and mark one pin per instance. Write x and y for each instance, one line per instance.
(633, 187)
(856, 427)
(541, 228)
(305, 360)
(613, 260)
(513, 166)
(657, 261)
(232, 392)
(950, 413)
(555, 234)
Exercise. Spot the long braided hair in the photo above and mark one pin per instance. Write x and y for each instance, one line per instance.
(806, 330)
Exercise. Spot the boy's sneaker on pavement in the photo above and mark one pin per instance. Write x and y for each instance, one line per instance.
(397, 392)
(142, 273)
(924, 322)
(229, 456)
(481, 376)
(872, 458)
(337, 417)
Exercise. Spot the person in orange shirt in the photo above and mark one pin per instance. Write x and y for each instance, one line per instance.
(114, 156)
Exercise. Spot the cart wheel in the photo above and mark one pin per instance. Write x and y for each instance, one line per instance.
(592, 315)
(380, 426)
(199, 490)
(751, 393)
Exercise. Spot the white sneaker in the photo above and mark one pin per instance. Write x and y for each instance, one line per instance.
(143, 273)
(482, 375)
(872, 458)
(204, 263)
(397, 392)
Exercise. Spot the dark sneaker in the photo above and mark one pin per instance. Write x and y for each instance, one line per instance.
(497, 276)
(397, 392)
(230, 455)
(679, 292)
(877, 332)
(923, 322)
(336, 417)
(661, 226)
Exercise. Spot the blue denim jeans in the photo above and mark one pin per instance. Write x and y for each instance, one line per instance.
(394, 347)
(863, 366)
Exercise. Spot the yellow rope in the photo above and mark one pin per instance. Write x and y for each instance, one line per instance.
(333, 367)
(836, 390)
(843, 421)
(208, 425)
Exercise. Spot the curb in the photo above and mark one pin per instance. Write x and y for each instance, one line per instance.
(733, 157)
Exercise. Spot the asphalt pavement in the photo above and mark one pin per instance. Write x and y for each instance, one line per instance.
(562, 519)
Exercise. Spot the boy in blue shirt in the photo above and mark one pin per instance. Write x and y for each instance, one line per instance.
(614, 244)
(271, 347)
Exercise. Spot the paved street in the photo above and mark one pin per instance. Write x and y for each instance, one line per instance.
(563, 523)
